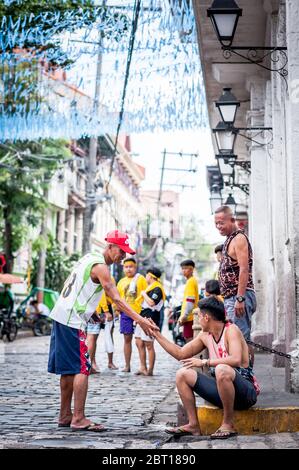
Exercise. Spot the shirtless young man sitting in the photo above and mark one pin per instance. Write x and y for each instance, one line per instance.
(232, 384)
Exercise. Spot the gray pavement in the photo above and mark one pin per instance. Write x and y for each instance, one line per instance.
(135, 409)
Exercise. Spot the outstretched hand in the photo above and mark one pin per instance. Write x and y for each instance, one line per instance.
(148, 326)
(192, 362)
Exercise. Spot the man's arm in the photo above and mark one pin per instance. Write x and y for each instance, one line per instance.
(190, 349)
(101, 272)
(241, 251)
(234, 359)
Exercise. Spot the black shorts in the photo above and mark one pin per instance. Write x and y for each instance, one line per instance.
(245, 394)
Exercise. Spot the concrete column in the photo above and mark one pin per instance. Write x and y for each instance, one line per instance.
(60, 228)
(71, 229)
(292, 332)
(262, 326)
(79, 230)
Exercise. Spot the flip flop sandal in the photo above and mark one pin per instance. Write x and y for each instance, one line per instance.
(223, 434)
(91, 427)
(178, 431)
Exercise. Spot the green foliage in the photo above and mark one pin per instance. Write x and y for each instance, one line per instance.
(25, 172)
(58, 265)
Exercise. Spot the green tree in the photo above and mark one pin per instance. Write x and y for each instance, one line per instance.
(25, 172)
(58, 265)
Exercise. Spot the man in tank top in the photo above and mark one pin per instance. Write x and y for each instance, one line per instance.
(231, 385)
(235, 273)
(68, 356)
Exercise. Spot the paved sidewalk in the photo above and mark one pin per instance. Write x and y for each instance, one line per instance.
(135, 409)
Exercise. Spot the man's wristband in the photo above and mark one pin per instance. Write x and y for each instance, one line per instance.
(206, 362)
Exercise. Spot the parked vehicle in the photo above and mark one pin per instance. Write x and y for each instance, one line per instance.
(176, 328)
(8, 320)
(27, 318)
(8, 325)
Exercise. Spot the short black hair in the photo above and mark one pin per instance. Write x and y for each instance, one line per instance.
(218, 248)
(129, 259)
(213, 307)
(212, 287)
(188, 262)
(155, 271)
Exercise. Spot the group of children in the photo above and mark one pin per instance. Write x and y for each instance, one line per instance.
(146, 297)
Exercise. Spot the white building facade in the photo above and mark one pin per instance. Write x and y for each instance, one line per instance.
(267, 100)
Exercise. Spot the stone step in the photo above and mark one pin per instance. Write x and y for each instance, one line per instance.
(256, 420)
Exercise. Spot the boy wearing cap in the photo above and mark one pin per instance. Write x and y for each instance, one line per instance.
(129, 288)
(152, 300)
(190, 300)
(68, 355)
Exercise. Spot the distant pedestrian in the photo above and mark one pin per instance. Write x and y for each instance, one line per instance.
(152, 299)
(129, 288)
(218, 252)
(212, 288)
(105, 311)
(190, 299)
(235, 272)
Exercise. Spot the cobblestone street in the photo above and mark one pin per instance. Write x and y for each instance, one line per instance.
(135, 409)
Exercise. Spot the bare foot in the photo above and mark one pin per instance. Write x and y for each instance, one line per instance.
(86, 424)
(186, 430)
(112, 366)
(94, 371)
(141, 372)
(126, 369)
(150, 373)
(65, 421)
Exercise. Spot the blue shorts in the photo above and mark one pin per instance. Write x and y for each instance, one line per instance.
(244, 323)
(126, 324)
(68, 353)
(94, 328)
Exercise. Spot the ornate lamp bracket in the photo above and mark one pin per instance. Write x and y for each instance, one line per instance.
(274, 59)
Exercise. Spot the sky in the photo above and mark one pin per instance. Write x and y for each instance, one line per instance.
(147, 147)
(150, 146)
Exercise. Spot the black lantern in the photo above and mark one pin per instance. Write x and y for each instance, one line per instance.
(225, 137)
(216, 198)
(224, 15)
(230, 202)
(227, 105)
(226, 164)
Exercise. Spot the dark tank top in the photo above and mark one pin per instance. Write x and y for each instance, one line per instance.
(229, 269)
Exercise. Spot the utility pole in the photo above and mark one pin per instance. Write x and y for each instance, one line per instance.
(91, 167)
(160, 192)
(163, 169)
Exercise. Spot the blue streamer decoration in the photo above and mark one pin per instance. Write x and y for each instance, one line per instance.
(48, 70)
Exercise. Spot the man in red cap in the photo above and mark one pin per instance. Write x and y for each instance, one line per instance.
(76, 304)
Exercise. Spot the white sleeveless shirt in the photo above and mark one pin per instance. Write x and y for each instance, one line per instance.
(80, 295)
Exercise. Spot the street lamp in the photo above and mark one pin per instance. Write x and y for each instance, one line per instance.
(230, 202)
(227, 106)
(226, 164)
(225, 137)
(224, 15)
(216, 198)
(225, 131)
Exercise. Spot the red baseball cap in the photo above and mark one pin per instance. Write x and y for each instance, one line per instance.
(121, 239)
